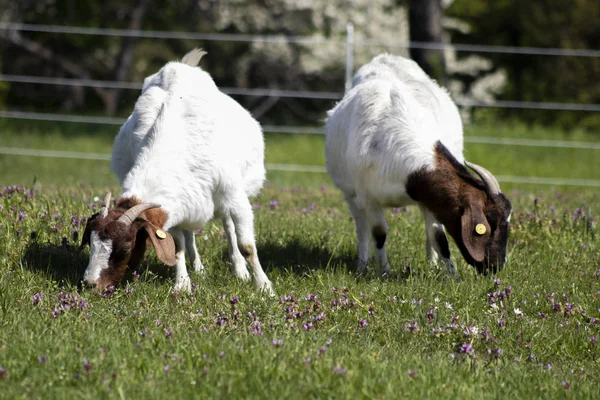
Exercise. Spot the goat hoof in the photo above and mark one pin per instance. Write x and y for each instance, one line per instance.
(183, 286)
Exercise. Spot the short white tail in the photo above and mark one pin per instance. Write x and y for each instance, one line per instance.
(193, 57)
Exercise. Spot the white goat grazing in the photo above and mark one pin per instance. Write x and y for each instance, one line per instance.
(186, 153)
(396, 139)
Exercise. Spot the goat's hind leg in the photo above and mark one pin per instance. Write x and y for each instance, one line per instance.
(379, 230)
(359, 214)
(192, 251)
(243, 221)
(238, 264)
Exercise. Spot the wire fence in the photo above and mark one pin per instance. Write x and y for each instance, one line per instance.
(351, 43)
(151, 34)
(319, 169)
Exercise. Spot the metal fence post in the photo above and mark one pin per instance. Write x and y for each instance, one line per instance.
(349, 54)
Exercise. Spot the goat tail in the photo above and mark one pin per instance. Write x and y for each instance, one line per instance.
(193, 57)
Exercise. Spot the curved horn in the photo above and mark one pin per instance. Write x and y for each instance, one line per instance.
(105, 206)
(486, 176)
(130, 215)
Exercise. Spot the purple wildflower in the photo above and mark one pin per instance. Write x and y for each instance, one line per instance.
(339, 370)
(412, 373)
(157, 320)
(42, 359)
(234, 300)
(277, 342)
(363, 323)
(136, 276)
(593, 340)
(273, 204)
(255, 328)
(3, 372)
(166, 369)
(36, 298)
(495, 353)
(86, 365)
(307, 361)
(22, 215)
(308, 326)
(168, 333)
(414, 327)
(467, 348)
(496, 282)
(222, 355)
(565, 384)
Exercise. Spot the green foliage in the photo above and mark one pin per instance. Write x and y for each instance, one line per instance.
(327, 333)
(548, 23)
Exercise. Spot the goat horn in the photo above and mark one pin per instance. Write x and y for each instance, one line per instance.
(486, 176)
(105, 205)
(130, 215)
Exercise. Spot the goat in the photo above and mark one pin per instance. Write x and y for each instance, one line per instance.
(188, 152)
(396, 139)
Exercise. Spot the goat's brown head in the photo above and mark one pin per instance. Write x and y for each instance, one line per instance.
(484, 224)
(474, 211)
(118, 238)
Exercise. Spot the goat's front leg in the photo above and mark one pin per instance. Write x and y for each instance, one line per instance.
(437, 244)
(192, 251)
(182, 279)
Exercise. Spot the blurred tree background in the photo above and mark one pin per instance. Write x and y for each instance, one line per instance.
(316, 65)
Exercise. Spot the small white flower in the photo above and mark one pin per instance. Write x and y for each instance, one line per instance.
(518, 312)
(449, 306)
(96, 198)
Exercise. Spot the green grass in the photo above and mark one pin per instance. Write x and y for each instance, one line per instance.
(283, 149)
(143, 340)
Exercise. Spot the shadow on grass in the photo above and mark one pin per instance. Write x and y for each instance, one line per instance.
(297, 258)
(63, 264)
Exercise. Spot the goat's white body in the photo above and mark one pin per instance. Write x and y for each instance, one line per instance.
(195, 151)
(187, 146)
(384, 129)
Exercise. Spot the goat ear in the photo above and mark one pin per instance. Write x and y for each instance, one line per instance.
(163, 244)
(475, 232)
(85, 238)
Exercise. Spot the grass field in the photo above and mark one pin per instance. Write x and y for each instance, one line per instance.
(529, 332)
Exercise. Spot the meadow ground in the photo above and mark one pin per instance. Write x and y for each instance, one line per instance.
(531, 331)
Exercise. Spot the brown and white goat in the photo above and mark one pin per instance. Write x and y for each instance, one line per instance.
(396, 139)
(188, 153)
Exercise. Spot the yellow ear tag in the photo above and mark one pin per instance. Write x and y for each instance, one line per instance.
(480, 229)
(161, 234)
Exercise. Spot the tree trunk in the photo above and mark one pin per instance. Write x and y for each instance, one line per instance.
(126, 56)
(425, 25)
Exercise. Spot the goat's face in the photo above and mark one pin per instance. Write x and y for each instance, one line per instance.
(484, 231)
(117, 239)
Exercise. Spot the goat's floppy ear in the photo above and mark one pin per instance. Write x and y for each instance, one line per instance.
(85, 238)
(163, 243)
(476, 232)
